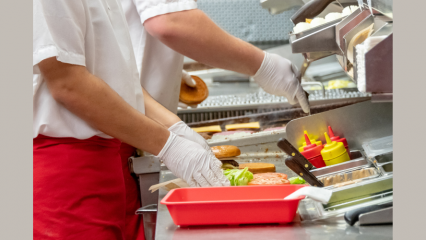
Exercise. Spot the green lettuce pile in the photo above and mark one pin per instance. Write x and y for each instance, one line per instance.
(297, 180)
(238, 177)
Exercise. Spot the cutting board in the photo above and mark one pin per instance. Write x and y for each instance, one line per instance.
(258, 167)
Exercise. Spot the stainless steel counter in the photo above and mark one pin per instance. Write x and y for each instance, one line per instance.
(331, 229)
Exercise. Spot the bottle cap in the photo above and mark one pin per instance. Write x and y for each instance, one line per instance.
(313, 141)
(332, 149)
(311, 150)
(337, 138)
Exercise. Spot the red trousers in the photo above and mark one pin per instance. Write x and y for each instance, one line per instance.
(80, 191)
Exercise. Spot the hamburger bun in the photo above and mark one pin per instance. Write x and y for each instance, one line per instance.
(225, 151)
(193, 95)
(258, 167)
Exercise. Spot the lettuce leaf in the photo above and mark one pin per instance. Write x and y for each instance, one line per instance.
(297, 180)
(238, 177)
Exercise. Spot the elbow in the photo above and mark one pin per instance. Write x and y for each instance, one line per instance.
(162, 28)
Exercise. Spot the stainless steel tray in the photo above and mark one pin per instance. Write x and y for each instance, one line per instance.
(357, 161)
(387, 169)
(349, 176)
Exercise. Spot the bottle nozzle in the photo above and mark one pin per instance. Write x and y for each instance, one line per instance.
(308, 142)
(330, 131)
(327, 138)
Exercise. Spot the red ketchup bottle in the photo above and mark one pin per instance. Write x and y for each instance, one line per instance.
(312, 152)
(338, 139)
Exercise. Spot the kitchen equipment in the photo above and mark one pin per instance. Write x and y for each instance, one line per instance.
(310, 10)
(349, 176)
(312, 152)
(334, 152)
(285, 145)
(338, 139)
(298, 163)
(149, 213)
(313, 141)
(232, 205)
(357, 160)
(370, 67)
(351, 217)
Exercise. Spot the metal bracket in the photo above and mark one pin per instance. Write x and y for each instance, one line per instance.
(145, 164)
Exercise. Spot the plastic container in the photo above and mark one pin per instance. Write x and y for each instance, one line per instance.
(313, 141)
(378, 146)
(338, 139)
(312, 152)
(232, 205)
(334, 152)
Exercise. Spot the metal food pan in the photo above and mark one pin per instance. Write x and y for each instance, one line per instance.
(383, 158)
(357, 161)
(349, 175)
(387, 168)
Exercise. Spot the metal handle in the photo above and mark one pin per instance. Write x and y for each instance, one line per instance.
(152, 208)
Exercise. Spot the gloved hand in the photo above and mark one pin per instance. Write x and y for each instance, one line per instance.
(182, 130)
(188, 79)
(191, 162)
(278, 76)
(190, 82)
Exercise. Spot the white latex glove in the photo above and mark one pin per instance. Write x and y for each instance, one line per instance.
(278, 76)
(191, 162)
(182, 130)
(188, 79)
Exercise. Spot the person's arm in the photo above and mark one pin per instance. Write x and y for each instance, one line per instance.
(158, 112)
(193, 34)
(95, 102)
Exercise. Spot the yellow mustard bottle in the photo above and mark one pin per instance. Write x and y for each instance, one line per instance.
(313, 141)
(334, 152)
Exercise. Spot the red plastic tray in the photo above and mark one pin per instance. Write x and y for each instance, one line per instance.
(232, 205)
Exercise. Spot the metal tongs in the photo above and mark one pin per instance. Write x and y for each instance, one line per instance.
(305, 65)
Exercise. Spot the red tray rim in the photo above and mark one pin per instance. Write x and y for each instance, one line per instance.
(165, 198)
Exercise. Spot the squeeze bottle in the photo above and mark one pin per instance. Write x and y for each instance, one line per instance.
(313, 141)
(338, 139)
(334, 152)
(312, 153)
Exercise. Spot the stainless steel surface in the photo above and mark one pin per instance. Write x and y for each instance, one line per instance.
(320, 39)
(349, 175)
(279, 6)
(149, 213)
(363, 191)
(381, 216)
(387, 168)
(146, 181)
(329, 229)
(354, 163)
(145, 164)
(358, 123)
(378, 67)
(383, 158)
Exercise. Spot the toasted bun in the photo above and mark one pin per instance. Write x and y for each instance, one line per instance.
(226, 151)
(193, 95)
(259, 167)
(269, 179)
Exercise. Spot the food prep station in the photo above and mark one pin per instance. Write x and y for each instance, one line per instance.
(365, 118)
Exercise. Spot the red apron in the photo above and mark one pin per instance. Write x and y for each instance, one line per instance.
(134, 223)
(79, 190)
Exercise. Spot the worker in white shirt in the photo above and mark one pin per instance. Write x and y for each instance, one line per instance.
(87, 100)
(163, 31)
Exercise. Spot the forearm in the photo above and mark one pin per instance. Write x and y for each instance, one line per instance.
(158, 112)
(195, 35)
(94, 101)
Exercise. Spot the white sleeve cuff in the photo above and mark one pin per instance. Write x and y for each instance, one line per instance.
(164, 8)
(61, 55)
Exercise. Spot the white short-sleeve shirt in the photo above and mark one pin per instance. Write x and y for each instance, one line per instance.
(90, 33)
(159, 66)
